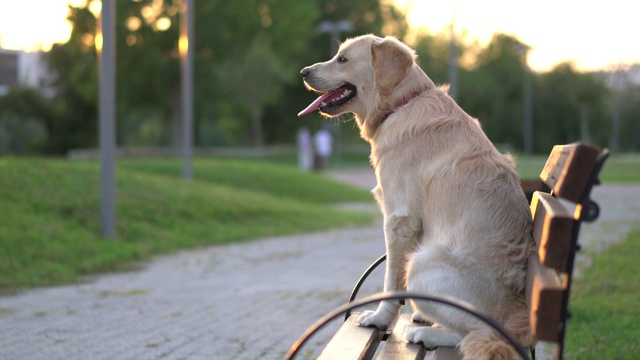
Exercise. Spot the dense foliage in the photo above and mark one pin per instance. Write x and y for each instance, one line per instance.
(247, 88)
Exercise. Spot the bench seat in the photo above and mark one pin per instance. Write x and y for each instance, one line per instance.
(353, 341)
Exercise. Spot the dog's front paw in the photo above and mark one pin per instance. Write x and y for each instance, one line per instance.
(421, 335)
(379, 319)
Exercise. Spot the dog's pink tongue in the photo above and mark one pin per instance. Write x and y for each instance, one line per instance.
(314, 105)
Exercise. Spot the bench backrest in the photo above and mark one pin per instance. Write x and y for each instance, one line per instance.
(570, 173)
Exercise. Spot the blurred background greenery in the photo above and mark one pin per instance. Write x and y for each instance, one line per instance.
(248, 91)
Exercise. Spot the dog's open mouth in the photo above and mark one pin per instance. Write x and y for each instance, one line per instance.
(329, 102)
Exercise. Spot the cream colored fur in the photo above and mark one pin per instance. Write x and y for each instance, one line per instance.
(455, 219)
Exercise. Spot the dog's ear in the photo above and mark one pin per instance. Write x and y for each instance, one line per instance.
(391, 63)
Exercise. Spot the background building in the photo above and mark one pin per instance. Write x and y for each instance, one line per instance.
(24, 69)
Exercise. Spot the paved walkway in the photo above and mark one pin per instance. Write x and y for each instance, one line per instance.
(241, 301)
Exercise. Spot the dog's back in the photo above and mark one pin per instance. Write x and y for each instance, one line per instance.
(475, 218)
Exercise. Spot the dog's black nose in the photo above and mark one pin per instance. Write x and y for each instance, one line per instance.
(305, 72)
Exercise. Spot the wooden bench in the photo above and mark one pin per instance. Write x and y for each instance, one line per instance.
(570, 172)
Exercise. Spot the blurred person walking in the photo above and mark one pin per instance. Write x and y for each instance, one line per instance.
(305, 149)
(323, 146)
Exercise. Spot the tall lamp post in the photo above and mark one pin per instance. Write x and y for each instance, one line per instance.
(527, 100)
(334, 29)
(186, 46)
(105, 46)
(453, 59)
(617, 84)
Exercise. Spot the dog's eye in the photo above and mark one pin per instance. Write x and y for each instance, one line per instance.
(342, 59)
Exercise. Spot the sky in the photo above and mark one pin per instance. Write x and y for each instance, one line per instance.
(31, 24)
(592, 34)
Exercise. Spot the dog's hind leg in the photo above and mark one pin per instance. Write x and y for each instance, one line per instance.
(401, 235)
(433, 270)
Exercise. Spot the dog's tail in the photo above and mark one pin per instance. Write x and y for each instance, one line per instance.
(485, 344)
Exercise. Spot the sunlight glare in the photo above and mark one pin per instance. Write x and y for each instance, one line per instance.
(77, 3)
(37, 31)
(132, 40)
(98, 40)
(592, 35)
(149, 14)
(95, 7)
(134, 23)
(162, 24)
(183, 45)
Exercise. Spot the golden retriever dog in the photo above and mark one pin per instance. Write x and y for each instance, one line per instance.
(456, 221)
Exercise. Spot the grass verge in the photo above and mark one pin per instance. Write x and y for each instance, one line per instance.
(50, 223)
(276, 179)
(617, 169)
(604, 302)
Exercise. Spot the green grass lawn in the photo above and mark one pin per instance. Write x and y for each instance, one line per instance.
(605, 306)
(617, 169)
(279, 180)
(50, 223)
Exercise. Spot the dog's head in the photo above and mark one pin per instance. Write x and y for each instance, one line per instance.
(368, 76)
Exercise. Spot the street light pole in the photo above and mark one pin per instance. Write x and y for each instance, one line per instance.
(453, 64)
(453, 57)
(186, 46)
(334, 29)
(527, 101)
(528, 110)
(617, 84)
(105, 46)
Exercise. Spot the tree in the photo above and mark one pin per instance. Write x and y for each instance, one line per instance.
(231, 91)
(148, 57)
(248, 80)
(625, 108)
(247, 87)
(367, 16)
(244, 60)
(26, 121)
(433, 55)
(568, 105)
(73, 66)
(630, 127)
(502, 62)
(148, 80)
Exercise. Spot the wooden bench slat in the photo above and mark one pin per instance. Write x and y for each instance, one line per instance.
(397, 346)
(544, 293)
(552, 230)
(447, 353)
(529, 186)
(353, 341)
(568, 169)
